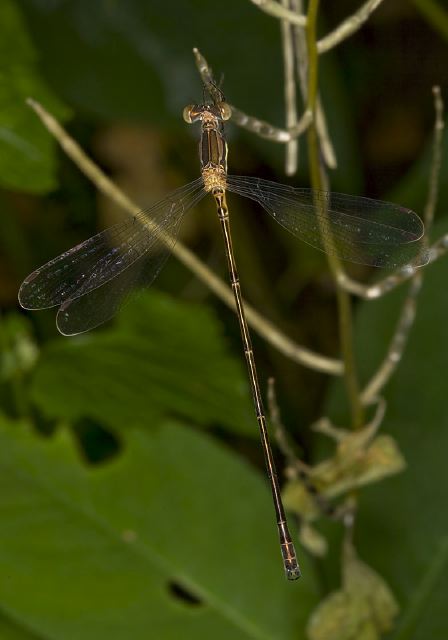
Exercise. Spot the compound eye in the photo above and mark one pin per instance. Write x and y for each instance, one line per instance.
(188, 113)
(225, 110)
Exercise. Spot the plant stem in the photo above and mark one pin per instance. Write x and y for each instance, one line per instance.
(343, 299)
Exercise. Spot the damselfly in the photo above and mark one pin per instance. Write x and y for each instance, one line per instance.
(91, 281)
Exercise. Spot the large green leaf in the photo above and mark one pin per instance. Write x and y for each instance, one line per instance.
(163, 357)
(11, 631)
(95, 553)
(403, 522)
(27, 158)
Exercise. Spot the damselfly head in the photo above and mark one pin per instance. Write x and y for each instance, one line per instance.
(201, 112)
(190, 113)
(226, 111)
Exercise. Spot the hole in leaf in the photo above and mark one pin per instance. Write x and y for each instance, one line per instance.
(98, 444)
(183, 594)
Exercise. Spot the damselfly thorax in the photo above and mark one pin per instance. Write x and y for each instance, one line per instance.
(212, 145)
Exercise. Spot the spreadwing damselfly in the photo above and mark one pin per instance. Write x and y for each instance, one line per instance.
(90, 282)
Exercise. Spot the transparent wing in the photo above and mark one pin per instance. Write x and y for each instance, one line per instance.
(361, 230)
(92, 280)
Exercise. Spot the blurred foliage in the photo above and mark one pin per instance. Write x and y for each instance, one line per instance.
(359, 459)
(27, 159)
(435, 14)
(362, 610)
(161, 355)
(92, 554)
(11, 631)
(133, 59)
(173, 534)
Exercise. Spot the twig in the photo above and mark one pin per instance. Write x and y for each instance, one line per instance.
(206, 74)
(434, 177)
(348, 27)
(292, 148)
(374, 291)
(397, 343)
(251, 123)
(278, 11)
(301, 53)
(268, 131)
(262, 326)
(326, 146)
(259, 127)
(325, 427)
(407, 316)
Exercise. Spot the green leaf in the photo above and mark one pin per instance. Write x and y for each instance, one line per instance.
(11, 631)
(341, 616)
(27, 158)
(362, 582)
(361, 610)
(298, 499)
(423, 592)
(312, 540)
(163, 357)
(101, 553)
(403, 523)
